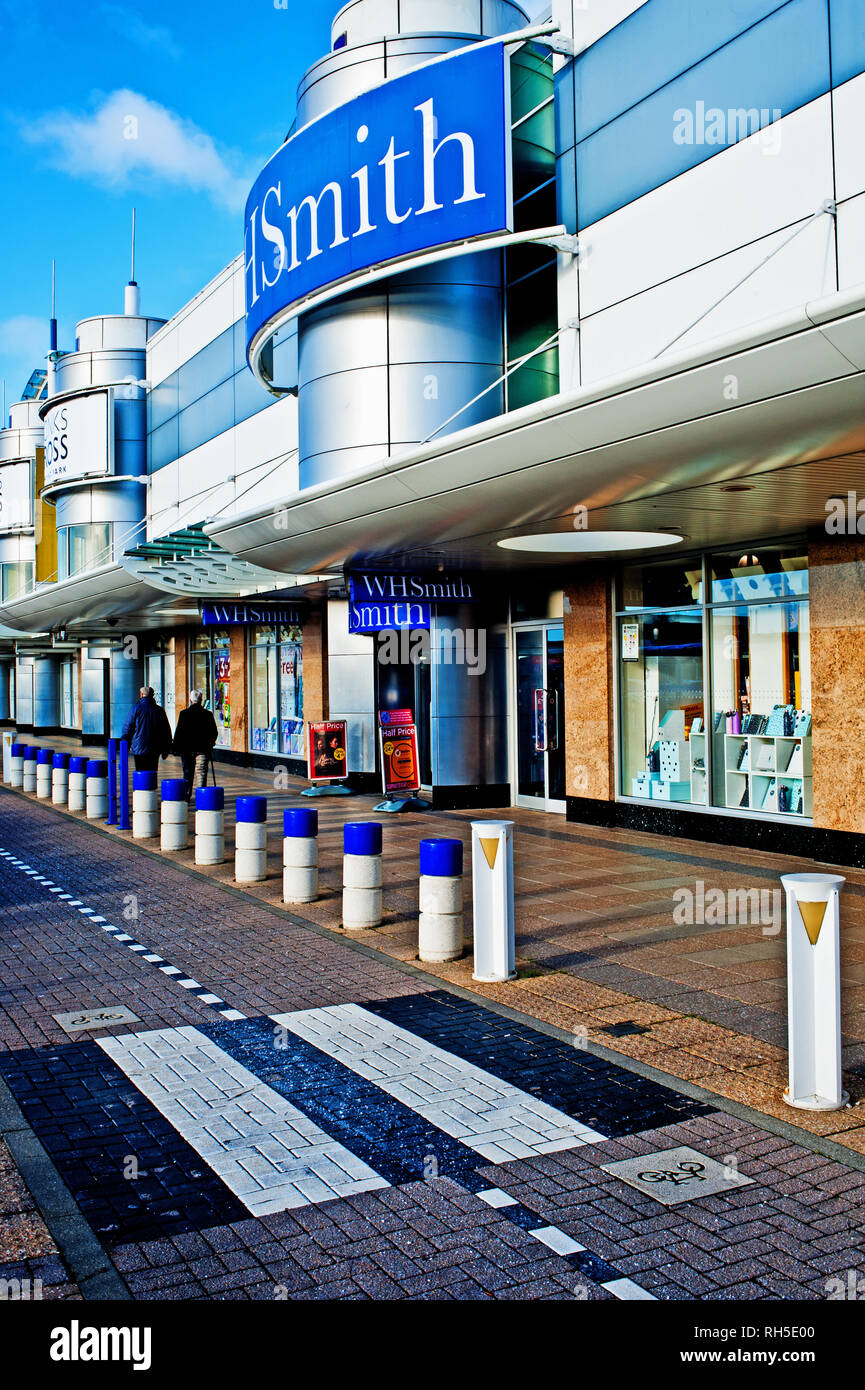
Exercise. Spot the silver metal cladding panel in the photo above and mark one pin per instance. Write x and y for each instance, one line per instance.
(17, 548)
(126, 676)
(46, 692)
(24, 691)
(350, 340)
(351, 686)
(92, 696)
(78, 370)
(361, 20)
(121, 502)
(346, 410)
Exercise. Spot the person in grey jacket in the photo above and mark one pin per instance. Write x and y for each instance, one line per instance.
(194, 740)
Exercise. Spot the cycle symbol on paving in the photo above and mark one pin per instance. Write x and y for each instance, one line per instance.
(677, 1175)
(683, 1172)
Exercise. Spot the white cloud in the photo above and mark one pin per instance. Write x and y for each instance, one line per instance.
(132, 27)
(129, 140)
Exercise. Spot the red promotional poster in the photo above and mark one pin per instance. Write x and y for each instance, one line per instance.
(327, 759)
(399, 758)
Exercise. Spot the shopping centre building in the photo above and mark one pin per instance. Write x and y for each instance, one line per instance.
(533, 403)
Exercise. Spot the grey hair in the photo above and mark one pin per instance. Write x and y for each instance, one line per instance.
(196, 697)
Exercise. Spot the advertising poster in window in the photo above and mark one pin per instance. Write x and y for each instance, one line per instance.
(630, 641)
(327, 759)
(399, 758)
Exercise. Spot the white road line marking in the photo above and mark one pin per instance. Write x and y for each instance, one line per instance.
(271, 1155)
(628, 1290)
(496, 1119)
(557, 1240)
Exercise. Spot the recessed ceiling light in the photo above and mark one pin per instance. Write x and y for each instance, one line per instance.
(738, 487)
(589, 542)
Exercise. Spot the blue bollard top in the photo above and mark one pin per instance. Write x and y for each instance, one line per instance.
(77, 764)
(251, 809)
(441, 858)
(173, 789)
(18, 750)
(362, 837)
(30, 753)
(44, 755)
(300, 823)
(144, 781)
(209, 798)
(96, 767)
(60, 760)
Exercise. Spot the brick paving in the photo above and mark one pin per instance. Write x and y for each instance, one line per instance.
(597, 943)
(174, 1230)
(30, 1263)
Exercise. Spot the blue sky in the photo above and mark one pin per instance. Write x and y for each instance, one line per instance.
(108, 104)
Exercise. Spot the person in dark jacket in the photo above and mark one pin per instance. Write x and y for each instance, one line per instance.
(148, 732)
(194, 739)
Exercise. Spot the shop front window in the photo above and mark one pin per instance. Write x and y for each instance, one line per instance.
(749, 749)
(661, 677)
(211, 673)
(69, 694)
(276, 686)
(761, 705)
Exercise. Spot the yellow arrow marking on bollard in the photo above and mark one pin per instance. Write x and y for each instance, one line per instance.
(490, 848)
(812, 915)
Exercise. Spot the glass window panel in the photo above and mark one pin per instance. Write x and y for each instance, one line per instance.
(661, 680)
(212, 365)
(291, 699)
(743, 575)
(264, 733)
(89, 546)
(162, 402)
(761, 708)
(222, 697)
(661, 586)
(207, 417)
(17, 578)
(163, 445)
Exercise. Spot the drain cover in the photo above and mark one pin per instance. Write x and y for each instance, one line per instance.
(103, 1016)
(676, 1175)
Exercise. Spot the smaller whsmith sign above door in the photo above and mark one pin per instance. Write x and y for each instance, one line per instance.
(237, 614)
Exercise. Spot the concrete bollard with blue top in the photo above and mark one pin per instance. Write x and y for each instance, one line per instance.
(77, 784)
(16, 764)
(59, 779)
(250, 839)
(300, 855)
(44, 763)
(145, 806)
(174, 824)
(97, 789)
(30, 756)
(440, 926)
(361, 875)
(209, 825)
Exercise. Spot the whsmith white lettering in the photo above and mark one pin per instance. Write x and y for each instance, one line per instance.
(294, 235)
(444, 588)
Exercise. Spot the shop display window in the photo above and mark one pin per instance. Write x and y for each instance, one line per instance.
(211, 672)
(748, 748)
(276, 691)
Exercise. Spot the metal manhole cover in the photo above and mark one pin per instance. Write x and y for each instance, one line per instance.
(104, 1016)
(677, 1175)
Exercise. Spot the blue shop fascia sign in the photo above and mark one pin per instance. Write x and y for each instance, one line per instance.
(392, 602)
(419, 162)
(254, 614)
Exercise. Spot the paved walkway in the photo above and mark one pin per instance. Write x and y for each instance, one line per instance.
(602, 950)
(291, 1114)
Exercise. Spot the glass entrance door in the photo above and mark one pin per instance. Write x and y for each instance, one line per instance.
(540, 721)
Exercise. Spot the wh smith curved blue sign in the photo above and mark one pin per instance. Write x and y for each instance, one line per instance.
(418, 162)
